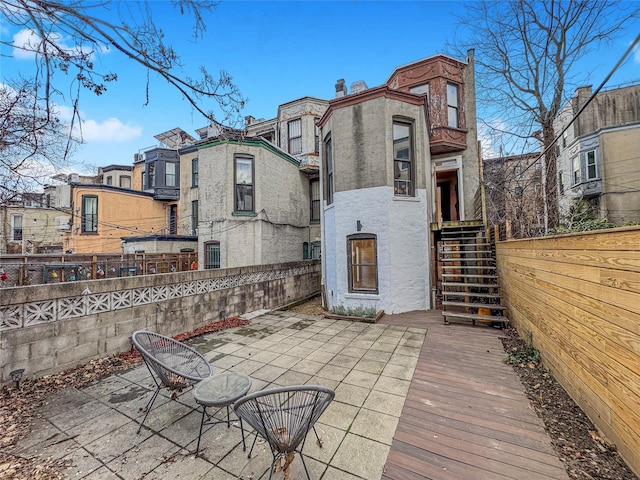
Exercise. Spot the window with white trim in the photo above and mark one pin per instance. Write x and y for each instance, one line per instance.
(591, 165)
(452, 105)
(402, 158)
(328, 161)
(243, 183)
(362, 263)
(16, 228)
(314, 190)
(294, 134)
(89, 214)
(170, 174)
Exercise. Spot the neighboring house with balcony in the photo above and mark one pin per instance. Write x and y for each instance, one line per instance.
(599, 155)
(253, 196)
(398, 161)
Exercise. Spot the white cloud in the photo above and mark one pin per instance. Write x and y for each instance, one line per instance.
(90, 130)
(26, 42)
(109, 130)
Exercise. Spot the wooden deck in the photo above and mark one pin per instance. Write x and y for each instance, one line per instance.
(466, 416)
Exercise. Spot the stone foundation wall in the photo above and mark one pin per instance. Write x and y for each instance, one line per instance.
(49, 328)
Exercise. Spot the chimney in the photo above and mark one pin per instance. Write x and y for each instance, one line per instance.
(359, 86)
(341, 88)
(248, 120)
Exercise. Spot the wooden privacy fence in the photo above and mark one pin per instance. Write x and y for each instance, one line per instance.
(577, 299)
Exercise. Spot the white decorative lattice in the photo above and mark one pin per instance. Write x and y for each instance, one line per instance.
(141, 296)
(36, 313)
(202, 286)
(10, 317)
(120, 300)
(39, 312)
(160, 293)
(98, 303)
(189, 288)
(71, 307)
(175, 290)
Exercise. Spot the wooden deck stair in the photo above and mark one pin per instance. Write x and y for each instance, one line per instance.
(469, 283)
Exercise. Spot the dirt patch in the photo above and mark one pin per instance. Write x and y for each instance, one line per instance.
(576, 441)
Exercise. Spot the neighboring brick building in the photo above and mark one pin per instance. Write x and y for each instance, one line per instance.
(513, 187)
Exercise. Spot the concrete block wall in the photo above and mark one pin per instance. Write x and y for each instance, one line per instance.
(41, 333)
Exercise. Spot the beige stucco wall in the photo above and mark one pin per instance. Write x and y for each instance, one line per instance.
(362, 132)
(620, 172)
(38, 229)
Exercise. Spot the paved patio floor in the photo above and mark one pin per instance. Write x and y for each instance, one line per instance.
(370, 367)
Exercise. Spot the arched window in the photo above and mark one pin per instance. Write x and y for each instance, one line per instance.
(362, 263)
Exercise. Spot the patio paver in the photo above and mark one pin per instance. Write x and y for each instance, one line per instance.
(386, 379)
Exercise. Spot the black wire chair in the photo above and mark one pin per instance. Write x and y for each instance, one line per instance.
(283, 417)
(173, 365)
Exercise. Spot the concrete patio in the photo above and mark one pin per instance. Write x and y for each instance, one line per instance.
(370, 367)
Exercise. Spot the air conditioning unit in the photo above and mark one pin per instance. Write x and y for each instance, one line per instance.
(63, 224)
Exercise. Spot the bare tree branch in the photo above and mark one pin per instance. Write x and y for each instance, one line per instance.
(65, 37)
(525, 55)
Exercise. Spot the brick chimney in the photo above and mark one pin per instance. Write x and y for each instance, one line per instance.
(341, 88)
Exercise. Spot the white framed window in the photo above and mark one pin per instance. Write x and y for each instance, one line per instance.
(244, 183)
(89, 220)
(452, 105)
(362, 263)
(328, 161)
(170, 174)
(590, 165)
(402, 158)
(125, 181)
(314, 190)
(294, 134)
(576, 170)
(16, 228)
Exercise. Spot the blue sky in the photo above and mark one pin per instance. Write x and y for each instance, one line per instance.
(276, 51)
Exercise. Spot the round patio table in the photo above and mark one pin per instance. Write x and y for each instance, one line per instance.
(220, 391)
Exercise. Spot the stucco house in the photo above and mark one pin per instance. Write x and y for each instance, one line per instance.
(598, 155)
(398, 160)
(30, 224)
(253, 196)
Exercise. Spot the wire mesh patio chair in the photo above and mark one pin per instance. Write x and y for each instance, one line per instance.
(172, 364)
(283, 417)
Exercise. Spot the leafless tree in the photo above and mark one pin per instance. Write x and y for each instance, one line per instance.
(525, 53)
(32, 139)
(64, 38)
